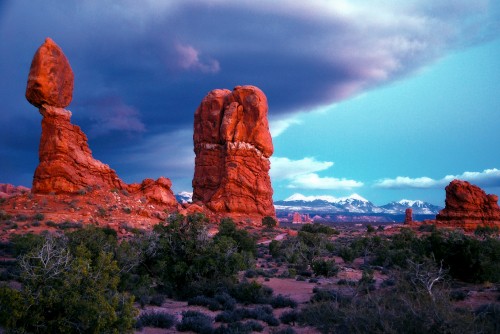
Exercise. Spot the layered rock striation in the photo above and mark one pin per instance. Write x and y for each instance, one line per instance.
(468, 206)
(233, 144)
(66, 162)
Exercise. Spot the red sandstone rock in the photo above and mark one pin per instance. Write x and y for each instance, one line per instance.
(66, 162)
(233, 144)
(50, 80)
(468, 206)
(408, 216)
(8, 190)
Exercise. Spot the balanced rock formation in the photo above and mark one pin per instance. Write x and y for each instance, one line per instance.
(468, 206)
(66, 162)
(233, 144)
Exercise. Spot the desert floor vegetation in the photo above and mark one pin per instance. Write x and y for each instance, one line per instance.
(178, 277)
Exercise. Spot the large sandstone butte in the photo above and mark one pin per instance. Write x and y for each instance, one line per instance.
(468, 206)
(66, 162)
(233, 144)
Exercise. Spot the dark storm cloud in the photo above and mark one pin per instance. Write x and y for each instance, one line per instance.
(142, 67)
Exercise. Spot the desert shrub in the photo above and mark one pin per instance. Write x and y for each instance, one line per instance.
(269, 222)
(287, 330)
(427, 228)
(485, 231)
(319, 228)
(155, 319)
(196, 322)
(346, 253)
(74, 291)
(127, 210)
(327, 268)
(281, 301)
(36, 223)
(50, 223)
(370, 228)
(488, 318)
(10, 225)
(290, 317)
(250, 273)
(240, 328)
(157, 300)
(22, 217)
(39, 216)
(404, 308)
(313, 280)
(191, 263)
(22, 244)
(67, 225)
(300, 278)
(263, 313)
(458, 295)
(210, 303)
(251, 292)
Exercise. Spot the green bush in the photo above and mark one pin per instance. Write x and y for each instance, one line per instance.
(74, 291)
(269, 222)
(327, 268)
(319, 228)
(251, 293)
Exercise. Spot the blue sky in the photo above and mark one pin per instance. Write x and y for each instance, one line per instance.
(379, 98)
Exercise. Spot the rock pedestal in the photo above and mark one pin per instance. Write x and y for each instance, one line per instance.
(233, 144)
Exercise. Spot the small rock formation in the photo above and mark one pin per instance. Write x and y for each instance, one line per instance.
(8, 190)
(468, 206)
(408, 216)
(66, 162)
(233, 144)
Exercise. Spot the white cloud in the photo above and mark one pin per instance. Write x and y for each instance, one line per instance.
(314, 181)
(278, 126)
(486, 178)
(301, 174)
(284, 168)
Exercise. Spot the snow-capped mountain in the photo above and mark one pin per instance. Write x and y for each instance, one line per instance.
(351, 204)
(184, 197)
(418, 207)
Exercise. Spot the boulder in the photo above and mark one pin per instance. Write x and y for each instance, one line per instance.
(50, 79)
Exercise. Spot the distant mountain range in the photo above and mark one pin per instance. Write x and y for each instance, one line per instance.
(352, 204)
(343, 209)
(353, 208)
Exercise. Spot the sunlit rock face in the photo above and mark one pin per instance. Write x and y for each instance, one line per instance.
(468, 206)
(233, 144)
(50, 80)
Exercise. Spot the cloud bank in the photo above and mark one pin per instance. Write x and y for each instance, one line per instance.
(486, 178)
(158, 59)
(301, 174)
